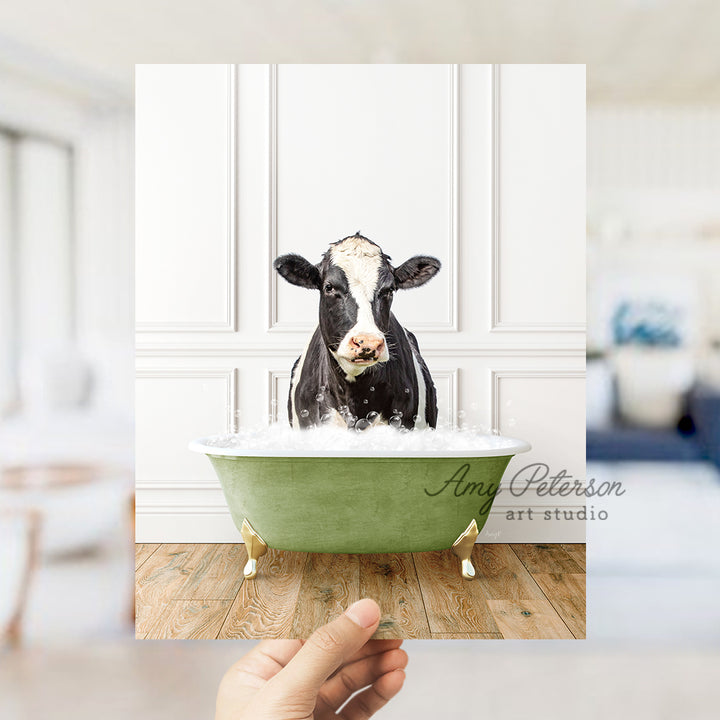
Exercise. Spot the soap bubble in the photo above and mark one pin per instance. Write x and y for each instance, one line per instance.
(343, 409)
(395, 421)
(319, 397)
(304, 413)
(365, 401)
(397, 412)
(416, 418)
(351, 420)
(407, 390)
(372, 416)
(372, 388)
(392, 439)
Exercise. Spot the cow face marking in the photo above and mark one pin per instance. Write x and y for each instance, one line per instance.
(360, 263)
(357, 284)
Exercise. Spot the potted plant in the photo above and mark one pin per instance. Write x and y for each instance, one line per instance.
(654, 366)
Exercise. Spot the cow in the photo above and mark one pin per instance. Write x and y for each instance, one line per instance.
(360, 366)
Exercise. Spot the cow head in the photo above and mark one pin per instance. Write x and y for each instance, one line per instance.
(356, 283)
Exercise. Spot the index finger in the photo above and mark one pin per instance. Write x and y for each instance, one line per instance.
(329, 647)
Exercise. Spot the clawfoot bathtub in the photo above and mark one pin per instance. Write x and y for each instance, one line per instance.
(345, 502)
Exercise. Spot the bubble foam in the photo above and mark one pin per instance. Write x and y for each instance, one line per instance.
(374, 441)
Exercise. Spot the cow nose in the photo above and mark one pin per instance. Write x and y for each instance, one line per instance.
(367, 344)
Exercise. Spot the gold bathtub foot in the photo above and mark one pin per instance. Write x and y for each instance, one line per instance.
(256, 547)
(463, 546)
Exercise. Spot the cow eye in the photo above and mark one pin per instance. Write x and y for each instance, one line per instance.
(328, 288)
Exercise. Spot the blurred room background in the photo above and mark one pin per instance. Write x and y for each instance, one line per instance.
(66, 369)
(66, 394)
(653, 364)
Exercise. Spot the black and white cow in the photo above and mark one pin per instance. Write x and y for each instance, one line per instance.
(360, 363)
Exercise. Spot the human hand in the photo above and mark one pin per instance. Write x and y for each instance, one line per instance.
(311, 680)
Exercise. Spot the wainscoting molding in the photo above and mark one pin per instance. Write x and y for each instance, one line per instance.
(275, 402)
(497, 324)
(275, 323)
(228, 323)
(269, 350)
(497, 375)
(230, 375)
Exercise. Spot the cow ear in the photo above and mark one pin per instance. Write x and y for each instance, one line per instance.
(298, 271)
(416, 271)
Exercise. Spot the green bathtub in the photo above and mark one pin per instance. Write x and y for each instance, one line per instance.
(348, 503)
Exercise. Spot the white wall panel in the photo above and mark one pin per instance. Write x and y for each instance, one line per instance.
(547, 406)
(278, 388)
(184, 203)
(172, 407)
(446, 386)
(539, 252)
(367, 148)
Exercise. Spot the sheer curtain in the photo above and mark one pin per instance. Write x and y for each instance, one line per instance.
(8, 334)
(37, 266)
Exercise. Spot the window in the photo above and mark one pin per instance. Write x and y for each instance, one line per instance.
(37, 268)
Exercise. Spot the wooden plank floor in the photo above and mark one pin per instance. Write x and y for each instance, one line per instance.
(520, 591)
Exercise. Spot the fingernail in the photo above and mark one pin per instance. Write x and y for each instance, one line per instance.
(364, 612)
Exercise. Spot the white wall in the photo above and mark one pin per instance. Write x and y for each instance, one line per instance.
(482, 166)
(653, 215)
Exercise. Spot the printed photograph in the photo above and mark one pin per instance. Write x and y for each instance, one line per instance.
(360, 305)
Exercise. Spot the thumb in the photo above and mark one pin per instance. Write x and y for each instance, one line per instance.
(328, 648)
